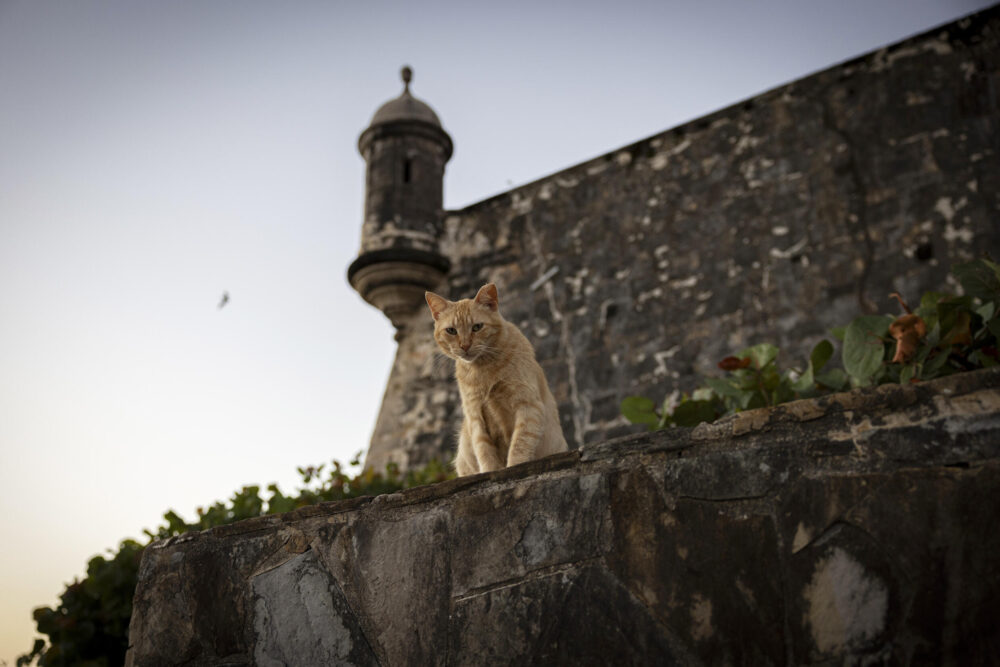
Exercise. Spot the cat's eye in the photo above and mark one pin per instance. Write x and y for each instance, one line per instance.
(451, 331)
(477, 326)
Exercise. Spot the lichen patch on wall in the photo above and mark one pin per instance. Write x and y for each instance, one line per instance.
(847, 604)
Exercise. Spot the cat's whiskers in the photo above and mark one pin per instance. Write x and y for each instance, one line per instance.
(441, 364)
(488, 352)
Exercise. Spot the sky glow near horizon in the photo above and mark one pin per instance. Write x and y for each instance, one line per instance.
(154, 155)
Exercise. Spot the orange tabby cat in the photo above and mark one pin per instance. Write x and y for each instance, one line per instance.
(510, 414)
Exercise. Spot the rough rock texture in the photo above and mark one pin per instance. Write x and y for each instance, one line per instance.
(855, 529)
(771, 220)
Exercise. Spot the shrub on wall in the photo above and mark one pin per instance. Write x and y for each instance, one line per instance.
(945, 334)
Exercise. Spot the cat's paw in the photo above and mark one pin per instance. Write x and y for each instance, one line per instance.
(516, 460)
(489, 464)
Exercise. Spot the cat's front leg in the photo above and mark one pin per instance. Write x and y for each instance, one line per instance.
(486, 452)
(526, 436)
(465, 458)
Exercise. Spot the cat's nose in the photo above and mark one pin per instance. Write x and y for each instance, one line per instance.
(466, 346)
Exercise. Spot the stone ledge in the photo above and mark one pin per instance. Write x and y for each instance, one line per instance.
(856, 527)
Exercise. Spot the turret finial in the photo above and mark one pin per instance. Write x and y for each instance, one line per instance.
(407, 75)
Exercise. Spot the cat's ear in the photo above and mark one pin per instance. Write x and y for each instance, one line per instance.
(487, 296)
(436, 303)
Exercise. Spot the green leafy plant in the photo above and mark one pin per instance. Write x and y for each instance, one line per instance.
(89, 626)
(945, 334)
(753, 380)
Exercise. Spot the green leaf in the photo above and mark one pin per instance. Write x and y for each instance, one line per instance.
(923, 352)
(933, 337)
(761, 354)
(933, 367)
(838, 333)
(907, 373)
(770, 377)
(637, 405)
(784, 392)
(640, 410)
(745, 380)
(980, 278)
(929, 301)
(664, 419)
(753, 399)
(702, 394)
(820, 355)
(668, 403)
(661, 423)
(805, 381)
(980, 358)
(959, 331)
(692, 413)
(987, 311)
(864, 348)
(723, 388)
(994, 326)
(950, 310)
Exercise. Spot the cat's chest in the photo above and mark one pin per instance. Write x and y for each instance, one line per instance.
(494, 404)
(484, 389)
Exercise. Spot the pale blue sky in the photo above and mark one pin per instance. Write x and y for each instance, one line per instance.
(153, 155)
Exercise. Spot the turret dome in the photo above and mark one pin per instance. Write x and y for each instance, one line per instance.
(406, 107)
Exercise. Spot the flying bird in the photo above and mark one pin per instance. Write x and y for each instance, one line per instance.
(225, 300)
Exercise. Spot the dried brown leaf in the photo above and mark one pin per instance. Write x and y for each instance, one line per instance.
(734, 363)
(907, 330)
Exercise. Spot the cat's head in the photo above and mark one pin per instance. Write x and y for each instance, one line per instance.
(467, 330)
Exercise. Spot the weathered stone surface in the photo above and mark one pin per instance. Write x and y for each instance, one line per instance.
(574, 616)
(720, 592)
(854, 529)
(518, 530)
(912, 578)
(395, 569)
(772, 220)
(206, 615)
(301, 618)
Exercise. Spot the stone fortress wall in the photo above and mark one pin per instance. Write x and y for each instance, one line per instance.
(774, 220)
(856, 529)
